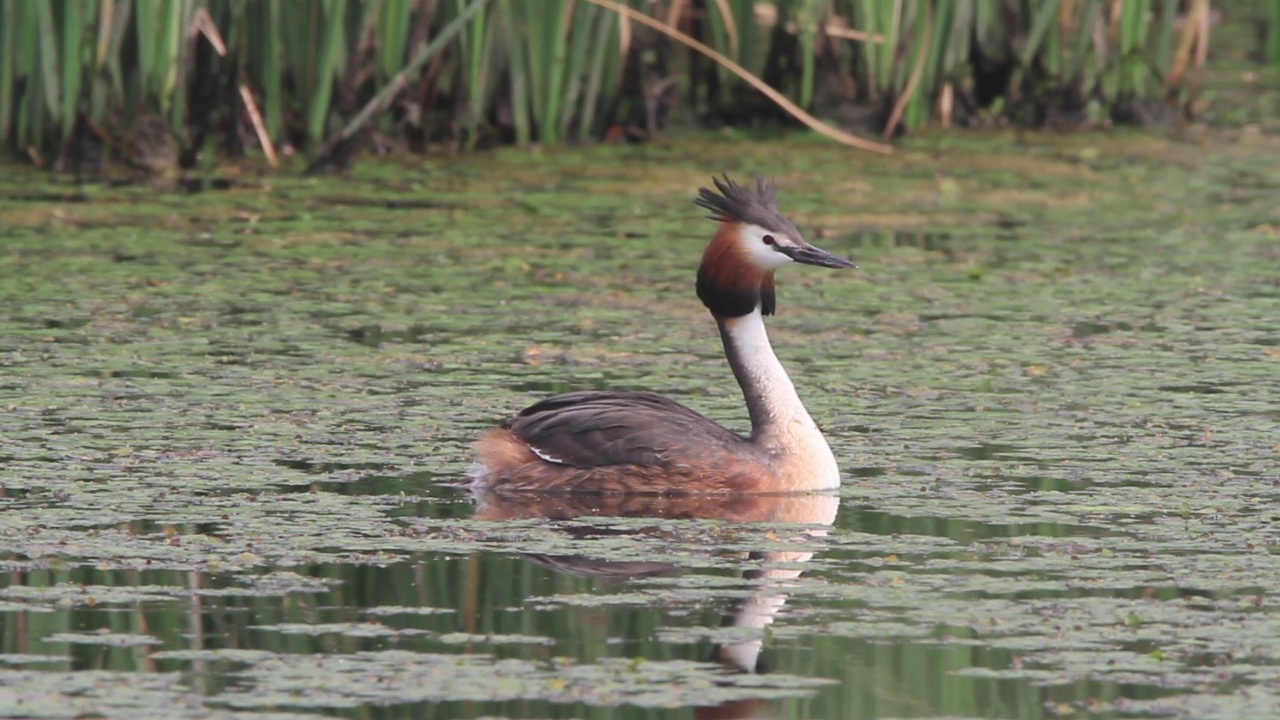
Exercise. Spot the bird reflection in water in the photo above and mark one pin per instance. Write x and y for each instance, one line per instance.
(799, 519)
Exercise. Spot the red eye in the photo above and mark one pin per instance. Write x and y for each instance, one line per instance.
(768, 240)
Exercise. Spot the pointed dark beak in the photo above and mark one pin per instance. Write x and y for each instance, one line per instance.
(810, 255)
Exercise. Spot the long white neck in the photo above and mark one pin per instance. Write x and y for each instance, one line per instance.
(780, 424)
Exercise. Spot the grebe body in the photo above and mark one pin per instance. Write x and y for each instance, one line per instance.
(642, 442)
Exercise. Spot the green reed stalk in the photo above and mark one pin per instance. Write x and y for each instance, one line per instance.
(1044, 17)
(173, 74)
(1051, 55)
(1133, 30)
(958, 39)
(550, 69)
(548, 64)
(103, 68)
(8, 64)
(146, 37)
(879, 16)
(330, 56)
(987, 26)
(263, 37)
(1162, 52)
(519, 68)
(607, 66)
(30, 104)
(478, 56)
(158, 37)
(48, 49)
(73, 60)
(731, 31)
(1273, 32)
(809, 20)
(580, 59)
(752, 47)
(1074, 69)
(943, 32)
(393, 22)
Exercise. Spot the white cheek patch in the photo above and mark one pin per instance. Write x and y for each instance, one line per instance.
(763, 255)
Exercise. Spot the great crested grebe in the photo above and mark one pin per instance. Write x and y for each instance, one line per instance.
(642, 442)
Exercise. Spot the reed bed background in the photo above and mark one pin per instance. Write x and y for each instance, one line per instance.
(169, 79)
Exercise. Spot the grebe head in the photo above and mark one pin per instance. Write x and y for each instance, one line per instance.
(754, 240)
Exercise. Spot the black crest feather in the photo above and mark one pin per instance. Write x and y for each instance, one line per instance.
(735, 203)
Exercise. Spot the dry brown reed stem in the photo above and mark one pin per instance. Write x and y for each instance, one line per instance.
(1195, 36)
(792, 109)
(203, 24)
(1201, 9)
(259, 127)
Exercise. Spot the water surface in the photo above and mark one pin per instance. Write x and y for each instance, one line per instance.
(236, 422)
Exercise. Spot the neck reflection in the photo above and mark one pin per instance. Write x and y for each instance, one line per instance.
(775, 521)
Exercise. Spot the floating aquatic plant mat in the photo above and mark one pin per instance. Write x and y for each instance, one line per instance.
(235, 426)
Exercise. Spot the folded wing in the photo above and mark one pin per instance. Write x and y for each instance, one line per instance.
(591, 429)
